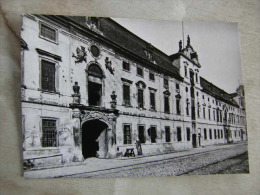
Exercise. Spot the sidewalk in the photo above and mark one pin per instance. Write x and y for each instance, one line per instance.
(95, 164)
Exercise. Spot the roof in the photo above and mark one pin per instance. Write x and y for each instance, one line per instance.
(216, 92)
(116, 33)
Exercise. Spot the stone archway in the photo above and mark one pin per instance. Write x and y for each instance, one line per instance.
(94, 139)
(103, 126)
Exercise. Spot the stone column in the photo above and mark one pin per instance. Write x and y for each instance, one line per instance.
(77, 152)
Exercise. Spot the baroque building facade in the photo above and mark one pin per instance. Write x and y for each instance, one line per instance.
(91, 88)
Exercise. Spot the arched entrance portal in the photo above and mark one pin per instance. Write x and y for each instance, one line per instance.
(94, 139)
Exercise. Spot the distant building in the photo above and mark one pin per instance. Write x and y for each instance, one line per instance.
(91, 88)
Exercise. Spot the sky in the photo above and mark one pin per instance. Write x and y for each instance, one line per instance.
(217, 45)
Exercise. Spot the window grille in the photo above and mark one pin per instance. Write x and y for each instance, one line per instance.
(49, 133)
(127, 134)
(48, 75)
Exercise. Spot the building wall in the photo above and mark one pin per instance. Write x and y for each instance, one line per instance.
(38, 104)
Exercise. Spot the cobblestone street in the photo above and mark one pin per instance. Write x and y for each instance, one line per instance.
(199, 161)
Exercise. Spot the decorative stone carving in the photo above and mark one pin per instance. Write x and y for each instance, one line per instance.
(107, 118)
(76, 96)
(109, 65)
(81, 55)
(180, 45)
(188, 40)
(113, 97)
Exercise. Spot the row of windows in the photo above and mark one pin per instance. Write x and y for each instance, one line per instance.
(152, 133)
(140, 99)
(218, 134)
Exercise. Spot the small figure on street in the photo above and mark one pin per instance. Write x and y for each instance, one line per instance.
(138, 147)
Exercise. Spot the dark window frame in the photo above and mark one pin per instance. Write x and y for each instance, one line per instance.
(141, 136)
(138, 68)
(49, 132)
(127, 134)
(48, 79)
(179, 136)
(126, 95)
(48, 28)
(125, 65)
(167, 134)
(188, 133)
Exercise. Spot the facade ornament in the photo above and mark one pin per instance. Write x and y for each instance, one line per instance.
(109, 65)
(76, 96)
(81, 55)
(113, 97)
(180, 45)
(89, 115)
(188, 40)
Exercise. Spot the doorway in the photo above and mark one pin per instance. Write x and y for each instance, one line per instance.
(94, 139)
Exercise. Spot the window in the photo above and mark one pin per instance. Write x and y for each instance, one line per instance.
(187, 107)
(215, 134)
(209, 113)
(126, 95)
(203, 97)
(178, 134)
(178, 106)
(205, 134)
(152, 100)
(204, 113)
(214, 115)
(235, 133)
(188, 133)
(167, 134)
(177, 86)
(197, 93)
(185, 71)
(166, 104)
(127, 134)
(153, 134)
(140, 71)
(48, 75)
(210, 134)
(198, 111)
(49, 133)
(140, 98)
(151, 76)
(126, 66)
(48, 32)
(221, 131)
(196, 76)
(218, 134)
(186, 89)
(166, 83)
(141, 133)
